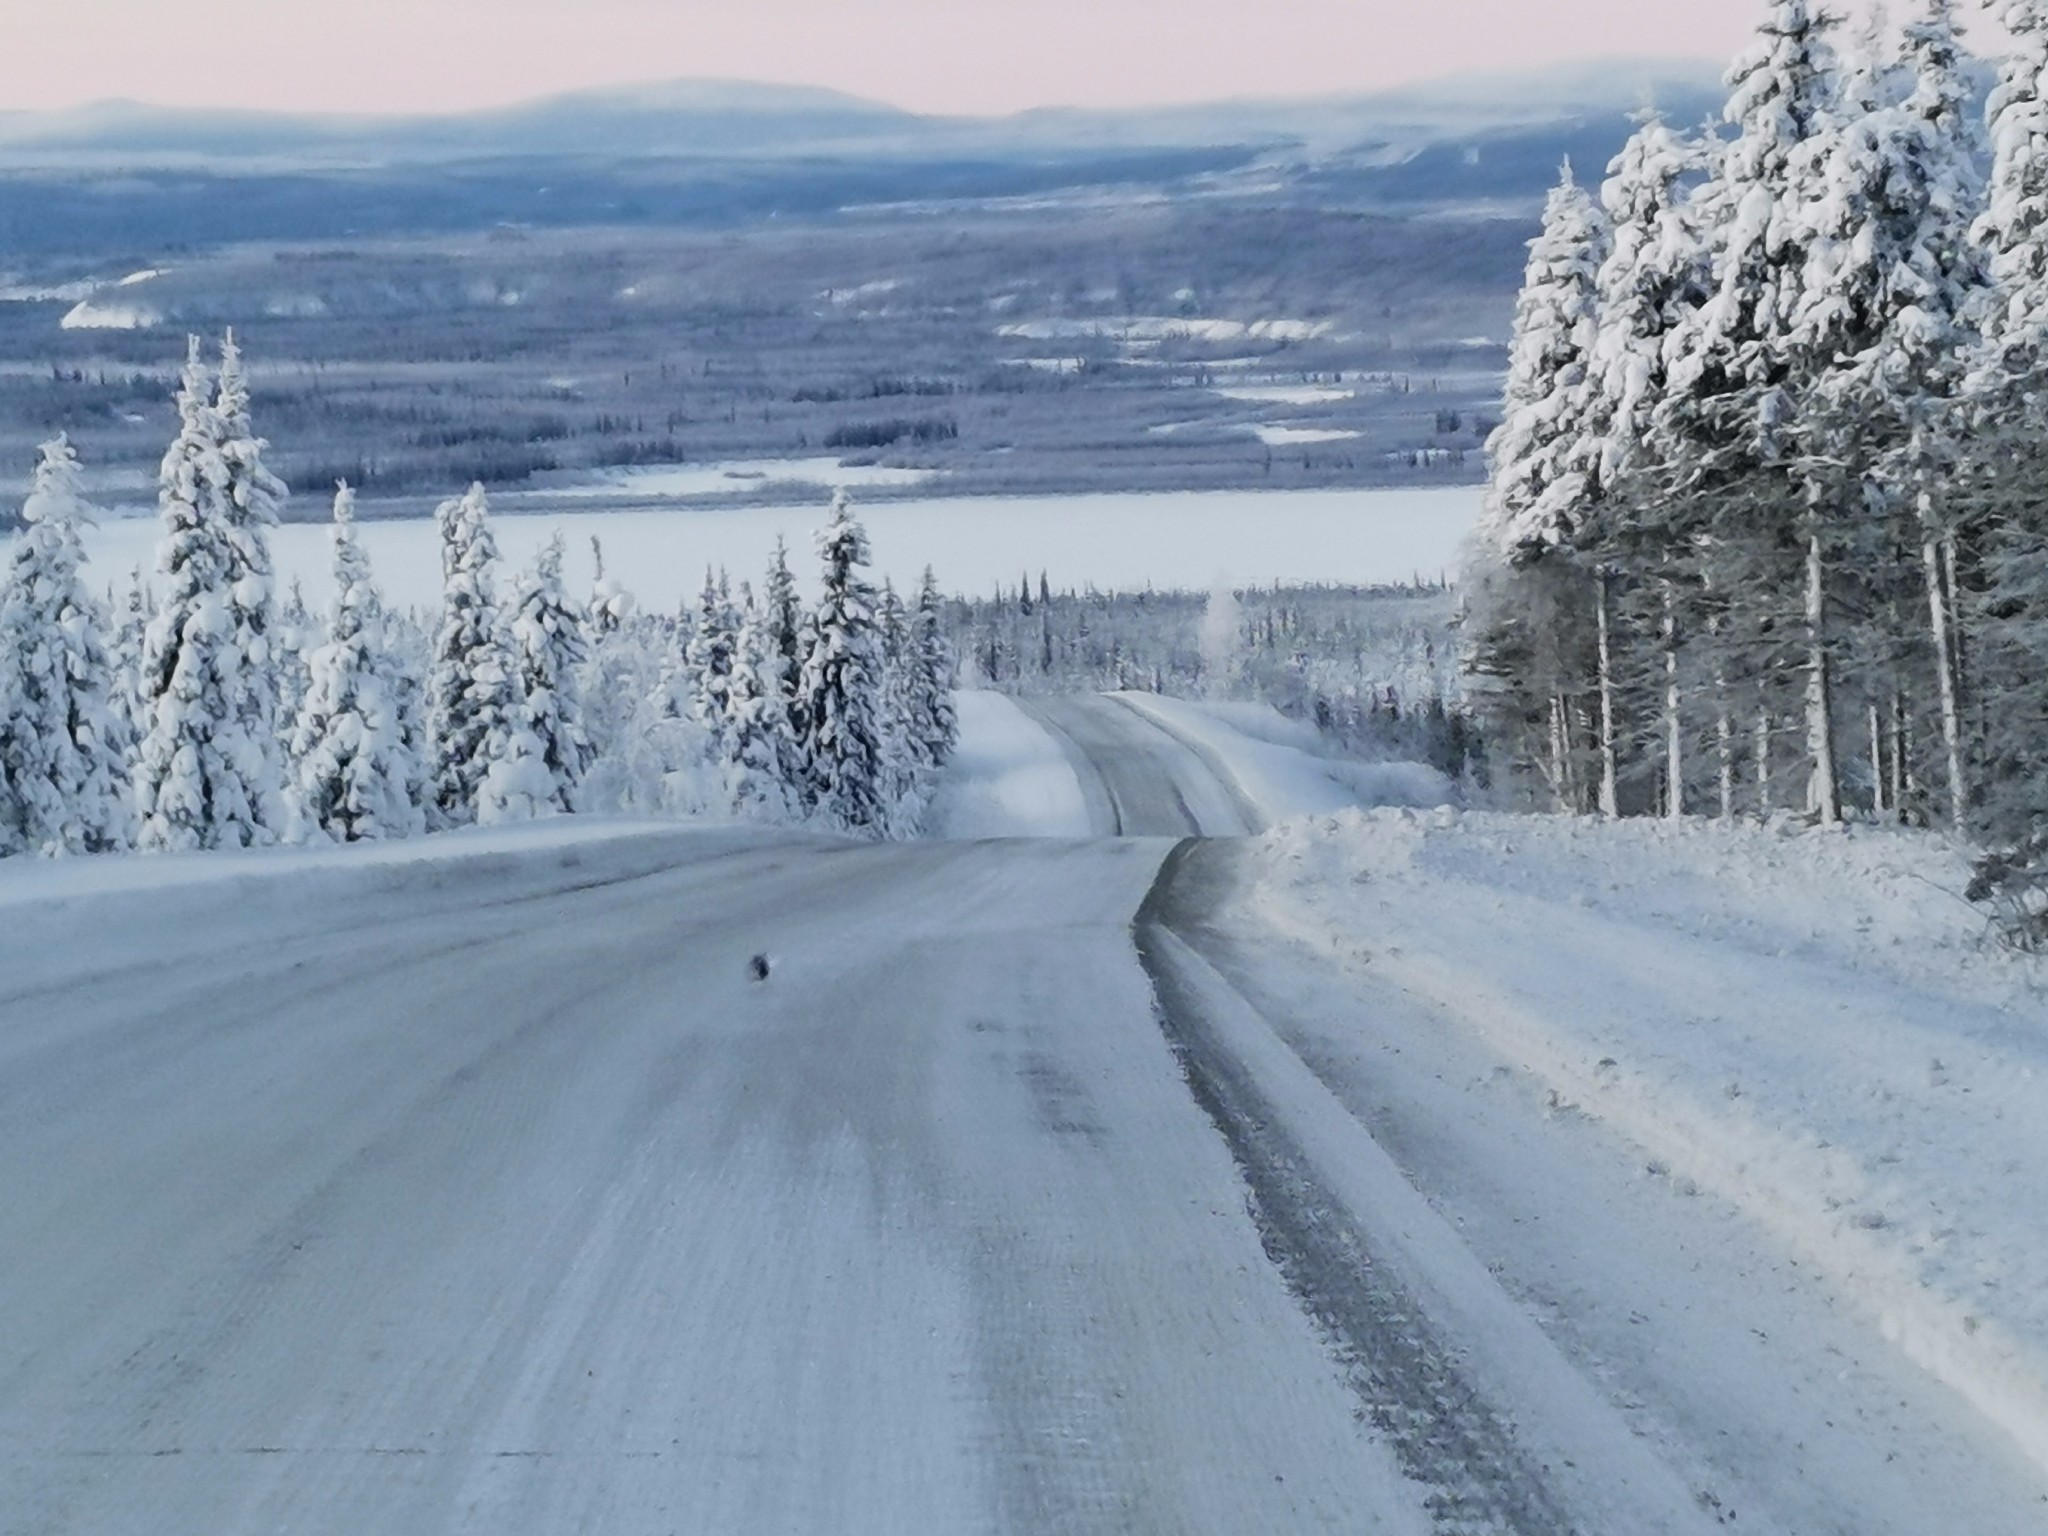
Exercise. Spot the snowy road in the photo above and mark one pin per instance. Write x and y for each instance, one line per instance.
(1136, 779)
(480, 1189)
(493, 1196)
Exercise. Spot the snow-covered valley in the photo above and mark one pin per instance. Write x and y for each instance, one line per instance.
(1357, 1166)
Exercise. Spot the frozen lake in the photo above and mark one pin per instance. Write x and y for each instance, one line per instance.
(1113, 541)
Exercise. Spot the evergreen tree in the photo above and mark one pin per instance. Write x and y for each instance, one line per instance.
(709, 658)
(1532, 497)
(202, 778)
(935, 724)
(2012, 229)
(759, 754)
(905, 780)
(842, 681)
(488, 767)
(126, 659)
(252, 498)
(355, 768)
(63, 753)
(553, 654)
(1738, 377)
(1528, 657)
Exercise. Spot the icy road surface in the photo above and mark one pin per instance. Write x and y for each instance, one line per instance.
(475, 1186)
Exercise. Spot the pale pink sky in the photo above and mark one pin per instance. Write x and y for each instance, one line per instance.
(961, 56)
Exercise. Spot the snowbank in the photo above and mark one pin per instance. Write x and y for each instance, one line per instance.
(27, 882)
(1808, 1025)
(1007, 778)
(1278, 766)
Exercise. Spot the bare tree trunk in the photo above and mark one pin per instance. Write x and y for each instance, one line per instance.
(1898, 795)
(1724, 742)
(1610, 800)
(1558, 784)
(1674, 761)
(1938, 599)
(1824, 789)
(1763, 762)
(1877, 806)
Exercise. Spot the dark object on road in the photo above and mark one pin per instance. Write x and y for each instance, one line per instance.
(758, 967)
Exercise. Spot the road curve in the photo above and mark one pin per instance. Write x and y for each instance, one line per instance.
(1137, 779)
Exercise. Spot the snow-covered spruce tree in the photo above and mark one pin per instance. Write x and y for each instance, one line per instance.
(1529, 648)
(1768, 514)
(202, 779)
(2012, 229)
(63, 748)
(759, 758)
(1631, 539)
(125, 655)
(488, 767)
(782, 611)
(297, 635)
(936, 725)
(252, 498)
(1893, 277)
(841, 684)
(553, 651)
(2008, 399)
(905, 780)
(709, 656)
(354, 770)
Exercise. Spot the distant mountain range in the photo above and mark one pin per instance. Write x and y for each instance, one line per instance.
(143, 180)
(725, 119)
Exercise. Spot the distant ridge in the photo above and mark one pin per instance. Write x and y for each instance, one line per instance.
(743, 119)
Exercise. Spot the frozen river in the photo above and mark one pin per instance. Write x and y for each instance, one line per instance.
(1110, 541)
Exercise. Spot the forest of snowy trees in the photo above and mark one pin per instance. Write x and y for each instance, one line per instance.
(1374, 669)
(1768, 523)
(213, 714)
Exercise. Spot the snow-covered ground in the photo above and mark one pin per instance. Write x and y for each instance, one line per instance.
(1008, 777)
(1126, 542)
(1280, 767)
(1807, 1029)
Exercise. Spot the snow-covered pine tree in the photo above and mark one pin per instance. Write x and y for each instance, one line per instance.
(63, 746)
(2012, 229)
(2008, 395)
(297, 636)
(252, 497)
(936, 729)
(1736, 377)
(610, 603)
(709, 656)
(199, 772)
(1529, 648)
(125, 656)
(488, 766)
(553, 652)
(759, 755)
(904, 775)
(1534, 490)
(354, 768)
(1895, 277)
(782, 611)
(841, 683)
(1651, 284)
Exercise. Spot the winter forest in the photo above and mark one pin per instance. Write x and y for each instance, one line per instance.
(1768, 521)
(215, 715)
